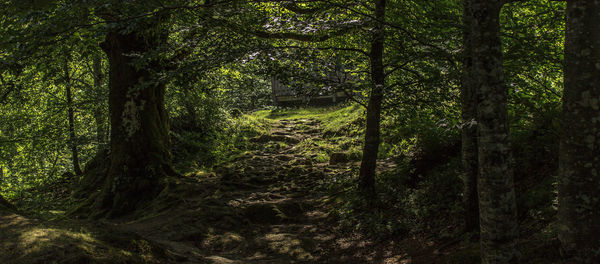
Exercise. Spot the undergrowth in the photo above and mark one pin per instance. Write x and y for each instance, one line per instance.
(424, 193)
(224, 140)
(341, 127)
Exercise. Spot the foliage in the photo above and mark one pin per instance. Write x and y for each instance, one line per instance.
(217, 63)
(227, 137)
(34, 135)
(421, 194)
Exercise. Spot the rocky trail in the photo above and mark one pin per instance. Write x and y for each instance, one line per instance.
(270, 205)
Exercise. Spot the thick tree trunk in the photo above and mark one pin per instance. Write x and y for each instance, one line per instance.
(372, 140)
(99, 111)
(579, 178)
(71, 117)
(497, 202)
(469, 128)
(140, 158)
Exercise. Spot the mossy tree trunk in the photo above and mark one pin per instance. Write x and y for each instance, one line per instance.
(372, 132)
(579, 157)
(469, 128)
(140, 158)
(497, 202)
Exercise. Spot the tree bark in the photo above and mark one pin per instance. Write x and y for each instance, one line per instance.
(372, 131)
(497, 202)
(71, 117)
(469, 128)
(140, 158)
(579, 157)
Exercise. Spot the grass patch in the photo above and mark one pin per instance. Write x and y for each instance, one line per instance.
(295, 113)
(194, 151)
(337, 120)
(342, 128)
(34, 241)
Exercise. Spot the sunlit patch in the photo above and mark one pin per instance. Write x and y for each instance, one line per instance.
(223, 242)
(288, 244)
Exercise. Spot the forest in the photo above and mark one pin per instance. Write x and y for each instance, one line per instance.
(300, 131)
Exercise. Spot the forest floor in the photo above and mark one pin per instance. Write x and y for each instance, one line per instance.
(270, 205)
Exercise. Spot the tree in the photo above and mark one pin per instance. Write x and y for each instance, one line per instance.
(140, 157)
(71, 117)
(579, 160)
(351, 19)
(497, 202)
(348, 20)
(139, 143)
(372, 129)
(469, 127)
(142, 56)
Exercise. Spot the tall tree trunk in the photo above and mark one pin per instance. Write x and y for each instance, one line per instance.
(99, 111)
(191, 120)
(497, 202)
(579, 178)
(469, 128)
(140, 158)
(372, 131)
(71, 116)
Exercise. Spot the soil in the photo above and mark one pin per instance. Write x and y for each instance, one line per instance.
(270, 205)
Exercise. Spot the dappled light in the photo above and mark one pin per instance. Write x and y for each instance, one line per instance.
(29, 241)
(288, 131)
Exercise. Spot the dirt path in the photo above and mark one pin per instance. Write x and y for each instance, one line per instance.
(268, 206)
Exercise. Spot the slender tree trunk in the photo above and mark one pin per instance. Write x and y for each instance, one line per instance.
(579, 178)
(190, 108)
(372, 131)
(497, 202)
(140, 157)
(71, 116)
(469, 128)
(99, 111)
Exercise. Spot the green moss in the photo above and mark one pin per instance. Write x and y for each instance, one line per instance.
(193, 150)
(340, 120)
(321, 158)
(32, 241)
(296, 113)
